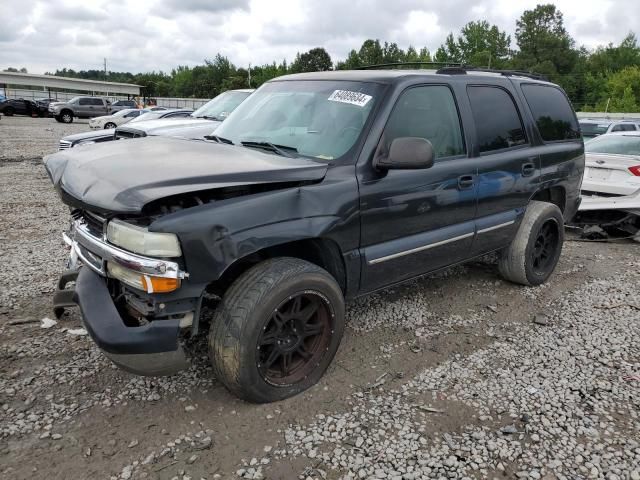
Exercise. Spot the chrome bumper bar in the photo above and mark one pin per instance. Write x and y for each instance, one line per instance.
(95, 252)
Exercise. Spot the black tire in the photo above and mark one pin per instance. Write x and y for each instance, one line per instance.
(256, 320)
(66, 116)
(109, 125)
(534, 252)
(9, 111)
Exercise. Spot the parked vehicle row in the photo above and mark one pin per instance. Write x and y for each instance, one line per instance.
(171, 122)
(317, 188)
(20, 106)
(593, 127)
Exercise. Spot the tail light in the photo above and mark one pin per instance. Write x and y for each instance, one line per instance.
(635, 170)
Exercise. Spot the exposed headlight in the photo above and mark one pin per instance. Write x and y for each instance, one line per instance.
(140, 240)
(88, 142)
(146, 283)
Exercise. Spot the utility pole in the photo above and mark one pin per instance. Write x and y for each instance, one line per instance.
(249, 74)
(105, 69)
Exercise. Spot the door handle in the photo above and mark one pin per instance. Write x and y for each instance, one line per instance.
(465, 182)
(528, 169)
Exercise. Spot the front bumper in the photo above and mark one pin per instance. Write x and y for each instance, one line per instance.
(151, 349)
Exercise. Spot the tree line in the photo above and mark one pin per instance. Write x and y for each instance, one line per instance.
(607, 78)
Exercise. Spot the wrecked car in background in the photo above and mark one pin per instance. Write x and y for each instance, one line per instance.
(611, 186)
(320, 187)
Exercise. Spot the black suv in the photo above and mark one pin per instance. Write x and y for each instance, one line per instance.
(320, 187)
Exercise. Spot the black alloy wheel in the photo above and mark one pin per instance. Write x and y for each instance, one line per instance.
(295, 339)
(543, 253)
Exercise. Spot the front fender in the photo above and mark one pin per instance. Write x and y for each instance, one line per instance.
(215, 235)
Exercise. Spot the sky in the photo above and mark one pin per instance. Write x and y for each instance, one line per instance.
(146, 35)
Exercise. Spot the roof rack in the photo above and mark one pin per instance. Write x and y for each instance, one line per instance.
(464, 69)
(404, 64)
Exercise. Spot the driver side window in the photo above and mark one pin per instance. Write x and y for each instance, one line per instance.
(427, 112)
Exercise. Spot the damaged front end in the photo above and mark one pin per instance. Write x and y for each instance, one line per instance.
(602, 216)
(136, 307)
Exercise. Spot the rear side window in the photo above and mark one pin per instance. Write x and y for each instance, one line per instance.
(96, 101)
(498, 124)
(624, 127)
(428, 112)
(552, 112)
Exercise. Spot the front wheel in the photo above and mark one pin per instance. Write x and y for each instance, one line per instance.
(109, 125)
(66, 117)
(9, 111)
(534, 252)
(276, 330)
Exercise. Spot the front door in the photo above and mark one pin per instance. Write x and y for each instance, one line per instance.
(416, 221)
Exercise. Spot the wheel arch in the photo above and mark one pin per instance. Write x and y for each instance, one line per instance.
(323, 252)
(556, 194)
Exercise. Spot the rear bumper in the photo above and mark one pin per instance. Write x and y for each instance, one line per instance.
(152, 349)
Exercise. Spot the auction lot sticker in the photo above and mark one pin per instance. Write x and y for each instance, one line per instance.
(347, 96)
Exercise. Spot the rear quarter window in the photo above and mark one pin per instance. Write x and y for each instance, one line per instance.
(552, 112)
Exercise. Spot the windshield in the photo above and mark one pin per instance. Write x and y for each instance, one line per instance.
(321, 119)
(74, 100)
(593, 129)
(614, 144)
(221, 106)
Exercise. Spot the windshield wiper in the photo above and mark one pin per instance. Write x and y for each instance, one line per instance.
(283, 150)
(209, 117)
(218, 139)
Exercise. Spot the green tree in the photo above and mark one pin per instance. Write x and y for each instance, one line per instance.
(371, 53)
(315, 60)
(612, 59)
(479, 44)
(544, 44)
(352, 61)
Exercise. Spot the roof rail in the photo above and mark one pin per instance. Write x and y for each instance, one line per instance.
(404, 64)
(464, 69)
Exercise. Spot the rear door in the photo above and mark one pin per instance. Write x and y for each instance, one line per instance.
(416, 221)
(506, 165)
(98, 107)
(84, 107)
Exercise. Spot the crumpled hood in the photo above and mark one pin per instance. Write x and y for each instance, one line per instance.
(122, 177)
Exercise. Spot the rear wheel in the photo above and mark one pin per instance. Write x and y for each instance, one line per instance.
(9, 111)
(534, 252)
(276, 330)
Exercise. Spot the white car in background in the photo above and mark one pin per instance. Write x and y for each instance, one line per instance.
(612, 164)
(611, 186)
(594, 127)
(119, 118)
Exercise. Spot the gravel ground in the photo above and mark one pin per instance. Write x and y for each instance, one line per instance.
(459, 375)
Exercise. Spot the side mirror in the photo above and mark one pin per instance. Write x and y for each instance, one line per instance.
(408, 153)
